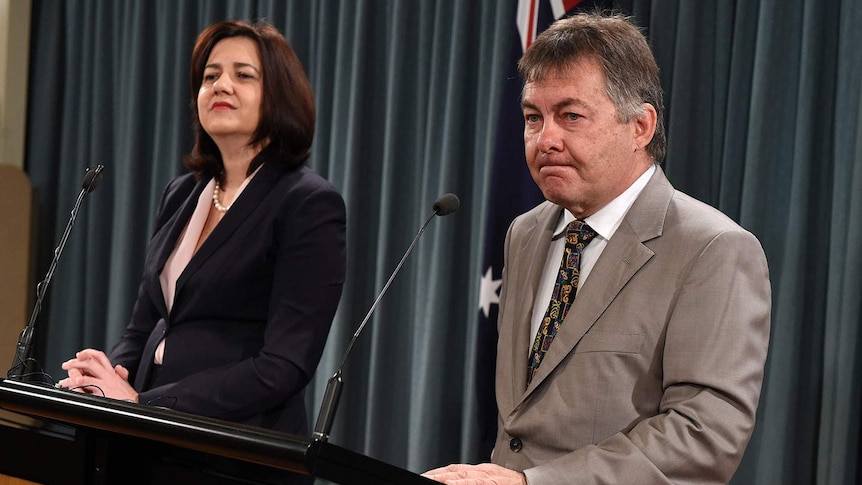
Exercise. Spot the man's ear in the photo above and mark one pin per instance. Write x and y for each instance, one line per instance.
(644, 126)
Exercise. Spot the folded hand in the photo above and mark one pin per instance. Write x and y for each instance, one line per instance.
(91, 372)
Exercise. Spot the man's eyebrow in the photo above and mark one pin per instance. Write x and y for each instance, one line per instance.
(528, 105)
(558, 105)
(571, 102)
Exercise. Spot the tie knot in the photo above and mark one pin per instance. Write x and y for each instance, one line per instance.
(579, 234)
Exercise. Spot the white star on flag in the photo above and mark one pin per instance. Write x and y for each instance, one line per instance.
(488, 292)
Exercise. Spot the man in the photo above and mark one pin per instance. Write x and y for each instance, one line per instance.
(647, 364)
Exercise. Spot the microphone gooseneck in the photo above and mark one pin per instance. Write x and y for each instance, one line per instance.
(24, 347)
(444, 205)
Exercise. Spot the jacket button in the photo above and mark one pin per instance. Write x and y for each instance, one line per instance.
(515, 444)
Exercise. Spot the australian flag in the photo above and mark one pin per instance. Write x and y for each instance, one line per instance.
(512, 193)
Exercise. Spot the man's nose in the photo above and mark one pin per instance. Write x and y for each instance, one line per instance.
(550, 138)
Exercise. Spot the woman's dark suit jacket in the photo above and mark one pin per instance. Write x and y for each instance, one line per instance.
(253, 308)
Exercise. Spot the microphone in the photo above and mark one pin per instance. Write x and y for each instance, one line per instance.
(444, 205)
(92, 179)
(19, 370)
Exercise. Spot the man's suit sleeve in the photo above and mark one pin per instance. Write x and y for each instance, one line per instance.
(712, 368)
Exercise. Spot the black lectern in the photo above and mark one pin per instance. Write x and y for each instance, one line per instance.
(81, 439)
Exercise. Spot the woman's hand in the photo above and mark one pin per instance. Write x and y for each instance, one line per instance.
(91, 372)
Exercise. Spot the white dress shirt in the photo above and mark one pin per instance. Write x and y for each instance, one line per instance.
(605, 222)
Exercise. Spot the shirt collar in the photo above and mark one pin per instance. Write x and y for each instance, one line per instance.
(607, 219)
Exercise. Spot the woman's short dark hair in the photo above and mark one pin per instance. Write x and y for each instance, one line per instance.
(286, 127)
(622, 51)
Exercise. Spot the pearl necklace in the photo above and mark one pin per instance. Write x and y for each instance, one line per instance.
(216, 202)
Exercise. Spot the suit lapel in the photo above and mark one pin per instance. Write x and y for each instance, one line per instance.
(166, 239)
(534, 251)
(624, 255)
(525, 263)
(241, 210)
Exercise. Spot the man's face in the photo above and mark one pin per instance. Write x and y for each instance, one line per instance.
(578, 152)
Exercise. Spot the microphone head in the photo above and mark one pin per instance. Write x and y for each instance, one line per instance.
(446, 204)
(92, 179)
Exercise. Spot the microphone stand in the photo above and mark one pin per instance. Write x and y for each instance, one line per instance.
(20, 367)
(445, 205)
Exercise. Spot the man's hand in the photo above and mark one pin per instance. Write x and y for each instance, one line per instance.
(91, 372)
(482, 474)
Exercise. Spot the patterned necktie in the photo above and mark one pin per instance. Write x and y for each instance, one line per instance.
(578, 235)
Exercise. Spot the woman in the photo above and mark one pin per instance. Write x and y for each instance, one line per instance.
(245, 268)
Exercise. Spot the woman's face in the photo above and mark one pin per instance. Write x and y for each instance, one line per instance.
(230, 96)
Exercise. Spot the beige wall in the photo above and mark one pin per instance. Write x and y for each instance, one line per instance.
(16, 285)
(14, 68)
